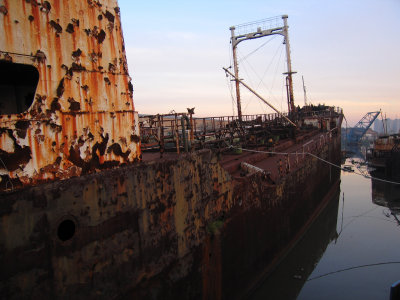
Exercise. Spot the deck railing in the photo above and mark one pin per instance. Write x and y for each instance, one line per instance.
(183, 132)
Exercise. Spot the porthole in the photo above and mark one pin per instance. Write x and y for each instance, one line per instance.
(18, 84)
(66, 230)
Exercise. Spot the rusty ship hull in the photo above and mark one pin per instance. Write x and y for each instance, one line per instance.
(86, 213)
(173, 227)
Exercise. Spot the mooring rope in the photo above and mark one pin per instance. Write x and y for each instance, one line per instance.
(355, 267)
(317, 157)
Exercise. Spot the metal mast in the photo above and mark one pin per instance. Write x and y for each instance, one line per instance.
(258, 29)
(289, 66)
(236, 70)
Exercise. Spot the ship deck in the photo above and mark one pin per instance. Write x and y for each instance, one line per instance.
(273, 160)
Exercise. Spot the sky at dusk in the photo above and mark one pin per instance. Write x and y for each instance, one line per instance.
(347, 51)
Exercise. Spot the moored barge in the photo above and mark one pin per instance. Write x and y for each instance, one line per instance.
(385, 155)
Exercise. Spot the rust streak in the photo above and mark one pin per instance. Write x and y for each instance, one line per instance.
(79, 101)
(7, 23)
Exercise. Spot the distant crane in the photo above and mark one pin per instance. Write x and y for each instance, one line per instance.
(355, 133)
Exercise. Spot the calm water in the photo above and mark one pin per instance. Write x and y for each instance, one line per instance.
(352, 251)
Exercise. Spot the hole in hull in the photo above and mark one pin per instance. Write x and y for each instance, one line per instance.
(66, 230)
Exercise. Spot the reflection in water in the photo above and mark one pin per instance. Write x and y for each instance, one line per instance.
(351, 251)
(387, 195)
(288, 279)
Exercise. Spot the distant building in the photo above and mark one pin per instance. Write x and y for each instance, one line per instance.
(393, 126)
(371, 135)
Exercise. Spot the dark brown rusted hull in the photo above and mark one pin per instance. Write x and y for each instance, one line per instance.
(180, 227)
(283, 283)
(388, 165)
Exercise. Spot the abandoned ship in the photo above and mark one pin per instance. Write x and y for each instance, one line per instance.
(385, 155)
(96, 202)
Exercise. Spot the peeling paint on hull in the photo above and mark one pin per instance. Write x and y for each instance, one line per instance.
(81, 117)
(188, 238)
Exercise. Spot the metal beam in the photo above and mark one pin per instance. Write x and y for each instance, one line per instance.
(261, 98)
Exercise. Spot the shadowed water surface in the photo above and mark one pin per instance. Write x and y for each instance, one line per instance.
(352, 251)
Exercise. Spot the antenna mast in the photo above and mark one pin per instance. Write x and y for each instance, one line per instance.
(258, 29)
